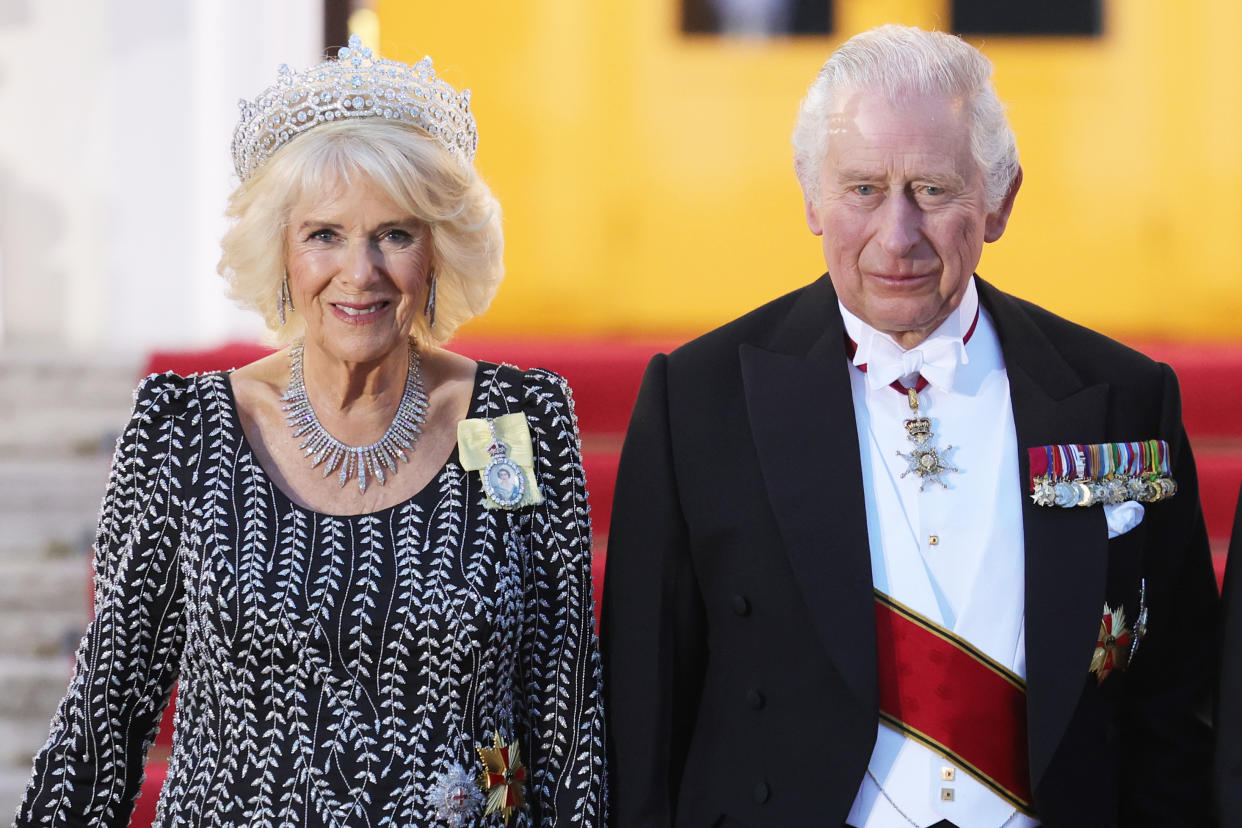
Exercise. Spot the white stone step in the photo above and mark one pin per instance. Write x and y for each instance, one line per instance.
(60, 414)
(30, 408)
(65, 474)
(45, 585)
(49, 401)
(20, 739)
(48, 533)
(46, 633)
(36, 434)
(78, 387)
(30, 688)
(48, 483)
(31, 392)
(12, 789)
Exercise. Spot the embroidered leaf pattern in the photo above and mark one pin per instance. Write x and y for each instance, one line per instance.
(329, 668)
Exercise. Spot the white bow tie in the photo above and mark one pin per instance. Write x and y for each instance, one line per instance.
(936, 360)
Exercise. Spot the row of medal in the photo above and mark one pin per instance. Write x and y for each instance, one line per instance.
(1100, 473)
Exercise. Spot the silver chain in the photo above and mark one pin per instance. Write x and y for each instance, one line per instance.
(906, 816)
(362, 461)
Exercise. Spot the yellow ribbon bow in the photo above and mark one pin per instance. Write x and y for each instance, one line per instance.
(474, 437)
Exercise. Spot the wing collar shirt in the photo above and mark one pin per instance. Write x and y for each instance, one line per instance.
(953, 554)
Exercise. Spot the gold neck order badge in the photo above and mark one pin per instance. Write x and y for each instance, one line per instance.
(924, 458)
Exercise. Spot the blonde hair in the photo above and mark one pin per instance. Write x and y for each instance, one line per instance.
(900, 60)
(415, 171)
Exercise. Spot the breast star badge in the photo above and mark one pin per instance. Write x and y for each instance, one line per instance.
(502, 778)
(1112, 647)
(456, 797)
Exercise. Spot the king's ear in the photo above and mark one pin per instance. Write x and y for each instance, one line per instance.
(812, 217)
(998, 219)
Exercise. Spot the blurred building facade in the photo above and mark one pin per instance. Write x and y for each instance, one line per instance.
(647, 179)
(114, 162)
(644, 170)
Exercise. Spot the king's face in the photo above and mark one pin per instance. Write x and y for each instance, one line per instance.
(902, 210)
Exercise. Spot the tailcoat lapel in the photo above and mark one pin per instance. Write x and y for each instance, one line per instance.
(802, 417)
(1066, 549)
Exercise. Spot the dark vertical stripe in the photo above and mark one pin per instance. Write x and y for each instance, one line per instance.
(336, 24)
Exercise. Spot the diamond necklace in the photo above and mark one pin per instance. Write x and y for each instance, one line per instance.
(363, 461)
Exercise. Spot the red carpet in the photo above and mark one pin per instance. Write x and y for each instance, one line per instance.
(605, 376)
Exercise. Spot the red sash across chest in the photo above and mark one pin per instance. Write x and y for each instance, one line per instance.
(939, 690)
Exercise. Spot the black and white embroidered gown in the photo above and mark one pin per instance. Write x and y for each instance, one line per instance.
(332, 669)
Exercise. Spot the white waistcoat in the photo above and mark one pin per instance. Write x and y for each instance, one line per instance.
(954, 555)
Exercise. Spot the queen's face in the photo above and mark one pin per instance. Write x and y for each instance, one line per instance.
(902, 211)
(358, 268)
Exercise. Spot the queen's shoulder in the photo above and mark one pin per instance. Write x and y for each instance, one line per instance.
(544, 380)
(541, 394)
(168, 393)
(534, 381)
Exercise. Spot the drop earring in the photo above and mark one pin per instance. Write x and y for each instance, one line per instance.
(430, 308)
(285, 297)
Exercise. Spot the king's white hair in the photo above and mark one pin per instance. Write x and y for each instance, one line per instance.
(900, 62)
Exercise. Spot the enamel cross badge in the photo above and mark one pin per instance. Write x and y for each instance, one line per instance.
(503, 777)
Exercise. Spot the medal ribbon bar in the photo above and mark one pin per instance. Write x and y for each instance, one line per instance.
(1075, 474)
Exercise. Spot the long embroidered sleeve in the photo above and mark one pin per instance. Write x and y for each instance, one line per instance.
(90, 770)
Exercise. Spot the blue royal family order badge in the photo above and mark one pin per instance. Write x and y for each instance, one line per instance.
(1092, 474)
(502, 478)
(501, 451)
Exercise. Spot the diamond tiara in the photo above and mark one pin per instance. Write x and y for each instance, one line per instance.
(357, 84)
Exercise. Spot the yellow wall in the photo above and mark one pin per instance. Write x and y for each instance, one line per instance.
(648, 188)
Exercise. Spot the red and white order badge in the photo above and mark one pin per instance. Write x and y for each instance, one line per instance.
(503, 777)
